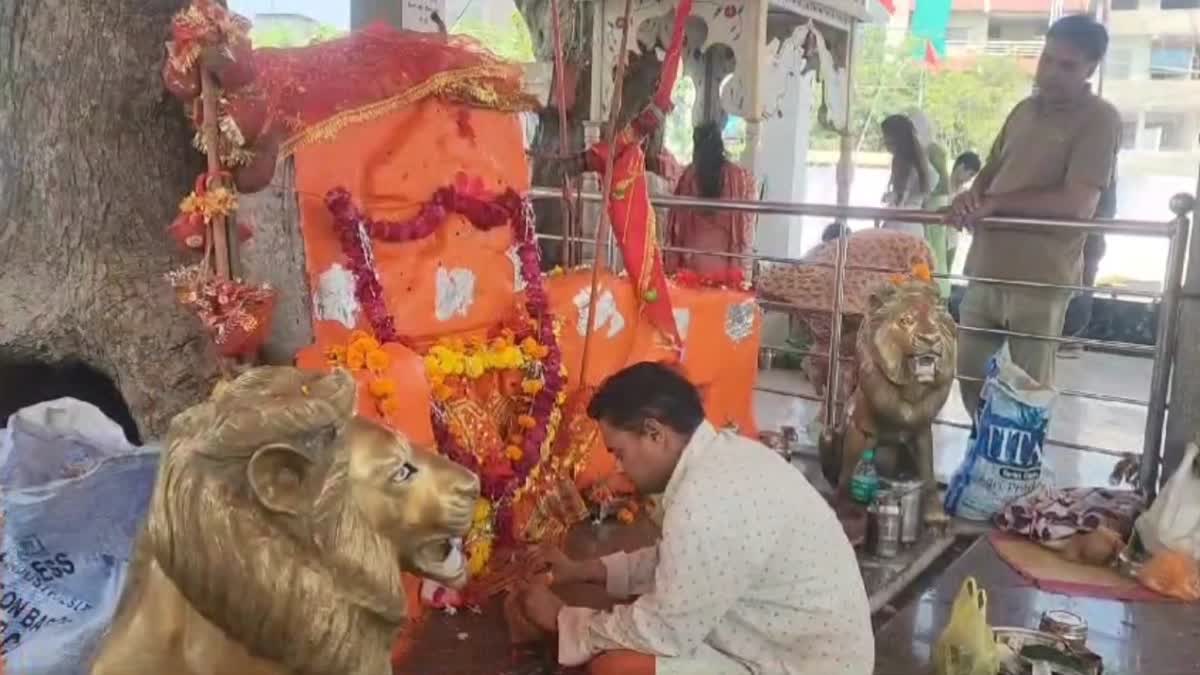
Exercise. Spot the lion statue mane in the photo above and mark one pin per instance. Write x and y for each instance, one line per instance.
(278, 532)
(907, 351)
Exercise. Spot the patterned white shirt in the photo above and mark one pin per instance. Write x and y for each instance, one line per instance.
(753, 574)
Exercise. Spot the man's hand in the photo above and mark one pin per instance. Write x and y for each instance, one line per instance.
(563, 570)
(968, 208)
(541, 606)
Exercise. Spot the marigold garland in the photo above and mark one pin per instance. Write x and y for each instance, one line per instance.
(533, 350)
(364, 353)
(730, 277)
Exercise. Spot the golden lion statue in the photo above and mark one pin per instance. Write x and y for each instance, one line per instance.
(907, 351)
(277, 534)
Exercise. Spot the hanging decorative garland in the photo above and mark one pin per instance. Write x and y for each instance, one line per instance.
(208, 55)
(529, 349)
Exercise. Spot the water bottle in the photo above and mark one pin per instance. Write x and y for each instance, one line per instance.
(865, 481)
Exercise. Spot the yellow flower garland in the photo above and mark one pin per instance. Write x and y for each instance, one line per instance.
(471, 359)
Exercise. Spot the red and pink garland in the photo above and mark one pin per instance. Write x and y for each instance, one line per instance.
(484, 212)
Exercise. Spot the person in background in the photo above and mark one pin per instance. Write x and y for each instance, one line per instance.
(833, 231)
(1053, 158)
(912, 178)
(937, 235)
(966, 167)
(1079, 311)
(712, 176)
(753, 572)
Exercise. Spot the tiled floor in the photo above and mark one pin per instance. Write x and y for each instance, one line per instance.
(1115, 426)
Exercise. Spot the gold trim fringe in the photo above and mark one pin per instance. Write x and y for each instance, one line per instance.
(475, 86)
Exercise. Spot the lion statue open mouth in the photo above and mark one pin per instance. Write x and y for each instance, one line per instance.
(278, 533)
(907, 350)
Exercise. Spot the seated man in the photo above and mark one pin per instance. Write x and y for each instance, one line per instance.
(753, 573)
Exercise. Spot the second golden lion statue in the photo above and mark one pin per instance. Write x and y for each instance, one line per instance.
(907, 350)
(277, 536)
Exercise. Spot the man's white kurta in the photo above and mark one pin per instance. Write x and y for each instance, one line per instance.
(753, 574)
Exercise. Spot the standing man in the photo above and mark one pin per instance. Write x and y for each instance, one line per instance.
(753, 574)
(1053, 158)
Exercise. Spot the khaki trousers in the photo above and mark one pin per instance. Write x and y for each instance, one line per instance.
(1038, 311)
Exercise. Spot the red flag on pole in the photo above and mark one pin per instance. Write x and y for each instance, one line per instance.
(629, 210)
(931, 56)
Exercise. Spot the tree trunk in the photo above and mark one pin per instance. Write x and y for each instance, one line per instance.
(641, 77)
(94, 160)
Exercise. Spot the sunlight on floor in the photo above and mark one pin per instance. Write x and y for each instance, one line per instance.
(1114, 426)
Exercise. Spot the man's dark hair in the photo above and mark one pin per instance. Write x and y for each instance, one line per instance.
(708, 159)
(833, 231)
(1083, 32)
(968, 160)
(646, 391)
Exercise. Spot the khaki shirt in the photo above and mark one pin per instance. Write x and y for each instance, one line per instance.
(1045, 147)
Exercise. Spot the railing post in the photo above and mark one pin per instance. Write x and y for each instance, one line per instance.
(1165, 346)
(1183, 424)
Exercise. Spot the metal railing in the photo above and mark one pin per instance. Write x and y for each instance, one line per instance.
(1176, 231)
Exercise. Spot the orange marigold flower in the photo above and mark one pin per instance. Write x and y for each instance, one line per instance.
(626, 515)
(532, 387)
(357, 335)
(365, 344)
(378, 361)
(335, 355)
(921, 271)
(356, 359)
(526, 422)
(513, 453)
(382, 388)
(388, 405)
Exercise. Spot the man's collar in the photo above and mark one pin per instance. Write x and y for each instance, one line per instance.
(1070, 104)
(701, 438)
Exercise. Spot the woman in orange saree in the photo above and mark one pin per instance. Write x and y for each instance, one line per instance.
(711, 176)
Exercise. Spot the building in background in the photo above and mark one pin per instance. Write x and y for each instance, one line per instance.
(1152, 73)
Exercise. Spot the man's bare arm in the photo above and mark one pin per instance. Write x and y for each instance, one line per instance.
(1069, 201)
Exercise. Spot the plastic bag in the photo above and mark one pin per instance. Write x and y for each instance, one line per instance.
(1173, 521)
(73, 499)
(1004, 455)
(1173, 574)
(967, 646)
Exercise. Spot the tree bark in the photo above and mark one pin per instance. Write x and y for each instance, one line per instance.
(94, 159)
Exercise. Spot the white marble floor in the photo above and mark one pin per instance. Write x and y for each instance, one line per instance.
(1115, 426)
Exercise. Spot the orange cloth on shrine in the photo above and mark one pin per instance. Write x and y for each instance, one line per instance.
(622, 663)
(392, 165)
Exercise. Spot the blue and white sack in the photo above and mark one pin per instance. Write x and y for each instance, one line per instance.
(73, 495)
(1004, 453)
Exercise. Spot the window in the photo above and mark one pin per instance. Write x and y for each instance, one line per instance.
(1168, 131)
(1174, 58)
(957, 34)
(1122, 5)
(1129, 134)
(1181, 4)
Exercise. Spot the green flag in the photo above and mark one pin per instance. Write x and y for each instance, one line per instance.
(929, 22)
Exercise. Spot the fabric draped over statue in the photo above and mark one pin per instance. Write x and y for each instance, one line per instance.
(316, 91)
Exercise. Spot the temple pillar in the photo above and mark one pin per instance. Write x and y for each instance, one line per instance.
(782, 161)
